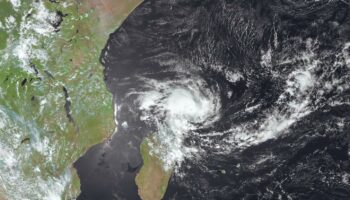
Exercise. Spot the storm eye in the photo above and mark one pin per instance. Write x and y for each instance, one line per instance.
(176, 108)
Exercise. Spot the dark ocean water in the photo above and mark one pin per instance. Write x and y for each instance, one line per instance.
(273, 76)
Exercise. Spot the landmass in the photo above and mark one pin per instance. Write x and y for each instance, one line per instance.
(152, 179)
(54, 103)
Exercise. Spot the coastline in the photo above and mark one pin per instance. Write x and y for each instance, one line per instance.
(54, 94)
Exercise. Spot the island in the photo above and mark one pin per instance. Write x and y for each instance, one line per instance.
(152, 179)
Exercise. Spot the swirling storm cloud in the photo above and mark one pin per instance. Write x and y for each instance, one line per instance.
(248, 99)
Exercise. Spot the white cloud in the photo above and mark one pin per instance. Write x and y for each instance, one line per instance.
(176, 107)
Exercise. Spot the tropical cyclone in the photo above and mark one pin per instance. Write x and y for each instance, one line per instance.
(53, 100)
(273, 76)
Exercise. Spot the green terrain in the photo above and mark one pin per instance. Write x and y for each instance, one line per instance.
(54, 103)
(152, 179)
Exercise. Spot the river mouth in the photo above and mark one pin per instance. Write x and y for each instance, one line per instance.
(258, 100)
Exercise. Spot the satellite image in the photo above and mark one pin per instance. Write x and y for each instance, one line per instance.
(175, 99)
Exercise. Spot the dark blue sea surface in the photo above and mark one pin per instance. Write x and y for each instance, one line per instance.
(276, 77)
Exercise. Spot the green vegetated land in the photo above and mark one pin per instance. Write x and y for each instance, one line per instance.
(152, 179)
(54, 103)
